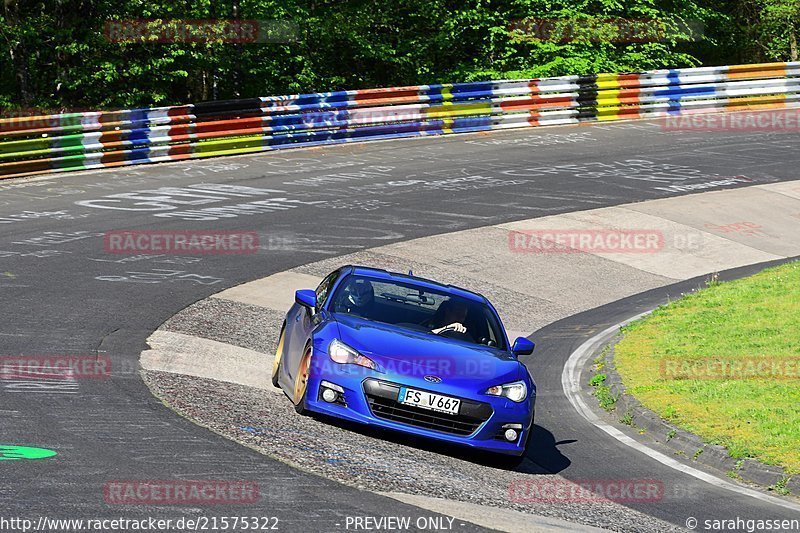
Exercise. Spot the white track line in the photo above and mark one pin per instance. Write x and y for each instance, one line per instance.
(570, 381)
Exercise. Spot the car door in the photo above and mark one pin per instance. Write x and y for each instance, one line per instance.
(300, 322)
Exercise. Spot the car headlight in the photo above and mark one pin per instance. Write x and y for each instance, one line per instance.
(345, 355)
(516, 392)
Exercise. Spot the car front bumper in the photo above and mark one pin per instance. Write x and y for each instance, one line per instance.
(371, 398)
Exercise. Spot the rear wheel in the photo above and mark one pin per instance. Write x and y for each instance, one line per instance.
(276, 364)
(301, 382)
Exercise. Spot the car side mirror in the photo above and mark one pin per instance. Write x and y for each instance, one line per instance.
(522, 346)
(306, 298)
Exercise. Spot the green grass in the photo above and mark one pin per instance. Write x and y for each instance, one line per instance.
(756, 317)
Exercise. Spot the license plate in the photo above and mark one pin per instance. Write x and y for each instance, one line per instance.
(429, 400)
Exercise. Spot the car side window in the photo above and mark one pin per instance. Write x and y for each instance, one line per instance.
(325, 288)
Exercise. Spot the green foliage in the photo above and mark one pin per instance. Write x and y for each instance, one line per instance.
(597, 380)
(780, 486)
(605, 399)
(697, 454)
(602, 392)
(769, 28)
(56, 54)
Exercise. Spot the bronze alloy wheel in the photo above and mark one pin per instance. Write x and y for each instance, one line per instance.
(301, 381)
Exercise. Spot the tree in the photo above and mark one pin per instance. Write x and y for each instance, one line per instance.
(61, 53)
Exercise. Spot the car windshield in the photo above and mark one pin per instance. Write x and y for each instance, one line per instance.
(410, 306)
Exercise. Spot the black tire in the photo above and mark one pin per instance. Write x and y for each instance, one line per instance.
(301, 382)
(277, 363)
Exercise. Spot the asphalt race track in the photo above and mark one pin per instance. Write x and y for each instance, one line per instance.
(63, 294)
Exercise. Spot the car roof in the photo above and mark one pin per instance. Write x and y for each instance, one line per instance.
(379, 273)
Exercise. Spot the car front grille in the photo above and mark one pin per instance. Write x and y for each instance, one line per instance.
(382, 398)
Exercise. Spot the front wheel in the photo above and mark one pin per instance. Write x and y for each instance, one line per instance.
(301, 382)
(276, 363)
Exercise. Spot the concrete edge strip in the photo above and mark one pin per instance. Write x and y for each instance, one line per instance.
(507, 520)
(274, 292)
(178, 353)
(570, 382)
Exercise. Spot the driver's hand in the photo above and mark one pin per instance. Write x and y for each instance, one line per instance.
(455, 326)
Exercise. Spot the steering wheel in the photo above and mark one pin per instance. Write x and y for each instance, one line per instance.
(453, 334)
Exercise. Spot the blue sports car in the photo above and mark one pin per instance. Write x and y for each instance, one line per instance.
(407, 354)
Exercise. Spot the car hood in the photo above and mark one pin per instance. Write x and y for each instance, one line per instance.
(416, 354)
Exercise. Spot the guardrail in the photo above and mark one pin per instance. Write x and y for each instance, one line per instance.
(77, 141)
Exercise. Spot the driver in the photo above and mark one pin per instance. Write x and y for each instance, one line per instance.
(449, 317)
(358, 297)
